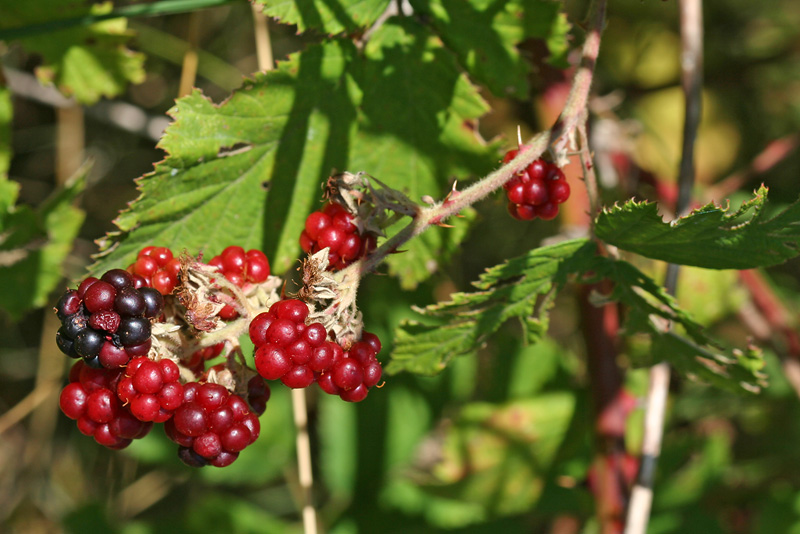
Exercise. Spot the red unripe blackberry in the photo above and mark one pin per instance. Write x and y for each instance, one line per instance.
(286, 345)
(233, 259)
(335, 228)
(536, 190)
(85, 285)
(214, 424)
(256, 266)
(158, 267)
(292, 309)
(151, 388)
(91, 401)
(347, 374)
(352, 373)
(547, 211)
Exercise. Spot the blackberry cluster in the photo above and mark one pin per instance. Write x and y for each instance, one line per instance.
(535, 191)
(355, 371)
(300, 354)
(240, 268)
(90, 398)
(335, 228)
(152, 390)
(287, 348)
(107, 321)
(156, 267)
(211, 426)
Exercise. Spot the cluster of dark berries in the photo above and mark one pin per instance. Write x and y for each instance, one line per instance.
(240, 268)
(156, 267)
(535, 191)
(334, 228)
(300, 354)
(212, 425)
(91, 399)
(107, 321)
(116, 392)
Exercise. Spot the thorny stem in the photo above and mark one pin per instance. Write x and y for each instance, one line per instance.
(575, 110)
(691, 22)
(572, 116)
(589, 176)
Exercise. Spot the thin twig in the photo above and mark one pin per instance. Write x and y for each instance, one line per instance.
(300, 412)
(29, 403)
(189, 67)
(263, 43)
(691, 22)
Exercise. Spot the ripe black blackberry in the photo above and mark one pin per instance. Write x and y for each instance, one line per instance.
(106, 321)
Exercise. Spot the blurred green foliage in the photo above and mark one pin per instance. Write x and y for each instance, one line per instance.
(500, 440)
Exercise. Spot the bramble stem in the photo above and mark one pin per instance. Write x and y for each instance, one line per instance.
(691, 21)
(573, 115)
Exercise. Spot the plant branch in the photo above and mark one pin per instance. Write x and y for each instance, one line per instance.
(573, 115)
(691, 22)
(575, 109)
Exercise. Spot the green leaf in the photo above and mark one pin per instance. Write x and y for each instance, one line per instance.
(327, 16)
(247, 171)
(88, 62)
(35, 243)
(696, 354)
(497, 456)
(512, 289)
(416, 133)
(485, 34)
(524, 288)
(712, 237)
(269, 147)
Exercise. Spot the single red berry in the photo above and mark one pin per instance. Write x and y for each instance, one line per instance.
(535, 192)
(347, 374)
(99, 296)
(257, 268)
(233, 259)
(547, 211)
(298, 376)
(357, 394)
(315, 223)
(559, 191)
(272, 361)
